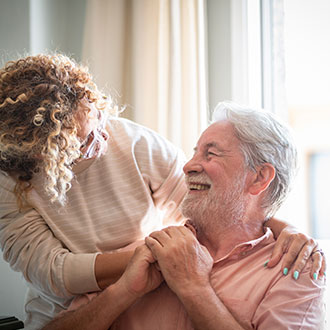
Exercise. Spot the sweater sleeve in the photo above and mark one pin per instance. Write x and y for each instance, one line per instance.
(30, 247)
(162, 169)
(170, 193)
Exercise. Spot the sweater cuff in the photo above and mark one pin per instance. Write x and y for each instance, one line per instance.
(79, 273)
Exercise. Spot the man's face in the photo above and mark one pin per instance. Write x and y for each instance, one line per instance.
(216, 177)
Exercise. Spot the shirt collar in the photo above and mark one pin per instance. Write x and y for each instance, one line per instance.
(245, 248)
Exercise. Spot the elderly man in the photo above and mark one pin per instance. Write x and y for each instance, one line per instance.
(214, 279)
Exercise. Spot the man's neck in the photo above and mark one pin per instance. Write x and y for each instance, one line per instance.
(220, 240)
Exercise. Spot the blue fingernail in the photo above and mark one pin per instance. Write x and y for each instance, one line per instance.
(315, 276)
(266, 263)
(285, 271)
(296, 275)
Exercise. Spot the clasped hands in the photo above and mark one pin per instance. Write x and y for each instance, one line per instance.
(172, 254)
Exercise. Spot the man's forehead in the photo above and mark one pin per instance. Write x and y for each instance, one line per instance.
(219, 134)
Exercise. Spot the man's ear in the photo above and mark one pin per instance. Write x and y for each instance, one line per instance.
(262, 178)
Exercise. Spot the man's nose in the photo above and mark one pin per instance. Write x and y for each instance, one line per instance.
(193, 165)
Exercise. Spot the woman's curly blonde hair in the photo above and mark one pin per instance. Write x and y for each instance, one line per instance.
(39, 96)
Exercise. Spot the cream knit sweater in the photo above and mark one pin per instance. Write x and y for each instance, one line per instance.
(114, 201)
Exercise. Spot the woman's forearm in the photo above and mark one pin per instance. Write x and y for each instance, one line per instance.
(110, 266)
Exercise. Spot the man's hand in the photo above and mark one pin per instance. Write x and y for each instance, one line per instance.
(184, 262)
(141, 274)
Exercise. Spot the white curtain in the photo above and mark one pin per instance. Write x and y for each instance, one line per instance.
(151, 55)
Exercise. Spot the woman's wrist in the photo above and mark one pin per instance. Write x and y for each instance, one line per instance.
(276, 226)
(109, 267)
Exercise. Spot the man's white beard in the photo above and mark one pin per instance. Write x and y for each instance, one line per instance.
(222, 208)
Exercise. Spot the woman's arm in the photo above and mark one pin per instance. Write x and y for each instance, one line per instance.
(109, 267)
(140, 277)
(30, 247)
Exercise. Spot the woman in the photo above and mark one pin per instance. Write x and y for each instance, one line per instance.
(78, 184)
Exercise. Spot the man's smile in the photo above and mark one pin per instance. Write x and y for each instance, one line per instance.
(198, 186)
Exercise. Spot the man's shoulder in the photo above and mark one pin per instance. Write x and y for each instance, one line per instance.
(245, 280)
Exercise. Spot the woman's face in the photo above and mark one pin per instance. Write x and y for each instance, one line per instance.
(92, 131)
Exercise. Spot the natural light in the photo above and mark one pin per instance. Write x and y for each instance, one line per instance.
(307, 77)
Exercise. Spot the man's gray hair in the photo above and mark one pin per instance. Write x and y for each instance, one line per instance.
(264, 139)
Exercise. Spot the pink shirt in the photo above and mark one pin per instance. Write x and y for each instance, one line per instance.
(258, 297)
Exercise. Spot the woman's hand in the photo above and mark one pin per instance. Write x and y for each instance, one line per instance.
(297, 249)
(142, 274)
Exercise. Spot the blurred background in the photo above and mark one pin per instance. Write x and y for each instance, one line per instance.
(171, 61)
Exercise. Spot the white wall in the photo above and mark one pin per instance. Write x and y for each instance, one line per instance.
(12, 292)
(234, 52)
(33, 26)
(57, 25)
(219, 51)
(14, 28)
